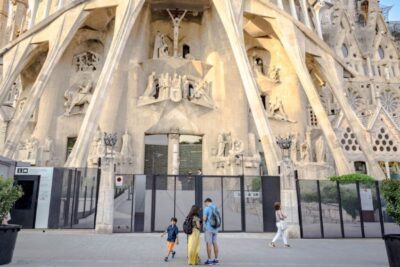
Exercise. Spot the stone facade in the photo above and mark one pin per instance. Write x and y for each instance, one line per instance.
(237, 73)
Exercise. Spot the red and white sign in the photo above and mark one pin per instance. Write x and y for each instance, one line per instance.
(119, 181)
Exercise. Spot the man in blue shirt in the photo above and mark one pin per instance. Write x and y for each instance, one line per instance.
(212, 221)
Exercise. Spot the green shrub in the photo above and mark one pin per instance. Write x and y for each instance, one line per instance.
(9, 194)
(391, 193)
(352, 177)
(256, 184)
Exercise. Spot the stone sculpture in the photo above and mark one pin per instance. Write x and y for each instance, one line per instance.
(276, 110)
(80, 98)
(127, 149)
(320, 150)
(176, 22)
(160, 46)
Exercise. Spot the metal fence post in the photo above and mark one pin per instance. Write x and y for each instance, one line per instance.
(378, 195)
(243, 203)
(299, 207)
(222, 203)
(320, 209)
(153, 204)
(360, 210)
(339, 199)
(97, 190)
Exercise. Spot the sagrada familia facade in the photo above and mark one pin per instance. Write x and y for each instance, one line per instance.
(201, 84)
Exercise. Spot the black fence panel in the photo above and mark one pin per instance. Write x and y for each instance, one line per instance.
(342, 210)
(146, 203)
(74, 198)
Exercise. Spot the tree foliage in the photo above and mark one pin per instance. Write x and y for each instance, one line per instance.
(391, 193)
(9, 194)
(352, 177)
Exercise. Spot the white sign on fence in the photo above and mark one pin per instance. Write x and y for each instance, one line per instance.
(247, 194)
(366, 199)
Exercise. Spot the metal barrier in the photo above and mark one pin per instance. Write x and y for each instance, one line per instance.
(342, 210)
(147, 202)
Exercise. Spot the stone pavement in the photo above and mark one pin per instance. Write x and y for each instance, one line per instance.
(84, 248)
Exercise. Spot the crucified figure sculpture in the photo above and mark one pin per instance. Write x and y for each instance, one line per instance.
(176, 21)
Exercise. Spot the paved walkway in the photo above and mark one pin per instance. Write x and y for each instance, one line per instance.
(82, 248)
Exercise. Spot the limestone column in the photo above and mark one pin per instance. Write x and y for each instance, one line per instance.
(105, 204)
(317, 7)
(126, 15)
(60, 4)
(387, 169)
(304, 8)
(293, 10)
(64, 28)
(280, 4)
(173, 153)
(396, 69)
(329, 71)
(47, 9)
(3, 20)
(3, 133)
(287, 34)
(13, 63)
(369, 65)
(225, 12)
(289, 202)
(33, 7)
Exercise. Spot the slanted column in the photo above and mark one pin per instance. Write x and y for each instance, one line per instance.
(287, 34)
(304, 8)
(293, 10)
(126, 16)
(225, 12)
(60, 4)
(13, 63)
(47, 9)
(317, 7)
(33, 8)
(64, 28)
(279, 4)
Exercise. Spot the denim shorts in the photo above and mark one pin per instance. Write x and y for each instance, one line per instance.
(210, 237)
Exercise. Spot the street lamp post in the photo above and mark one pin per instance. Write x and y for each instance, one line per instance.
(284, 144)
(110, 140)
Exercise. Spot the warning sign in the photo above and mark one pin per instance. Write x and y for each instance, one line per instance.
(119, 181)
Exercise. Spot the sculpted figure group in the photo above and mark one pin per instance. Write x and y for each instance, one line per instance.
(177, 87)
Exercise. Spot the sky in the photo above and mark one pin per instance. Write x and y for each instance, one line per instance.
(394, 14)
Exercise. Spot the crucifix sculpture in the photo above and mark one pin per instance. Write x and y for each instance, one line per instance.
(176, 21)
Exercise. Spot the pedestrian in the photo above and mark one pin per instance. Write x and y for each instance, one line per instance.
(281, 225)
(194, 238)
(212, 223)
(172, 238)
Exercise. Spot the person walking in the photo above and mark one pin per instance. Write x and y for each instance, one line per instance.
(172, 237)
(281, 225)
(194, 238)
(212, 223)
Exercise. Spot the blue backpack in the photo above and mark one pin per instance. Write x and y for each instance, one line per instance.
(215, 218)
